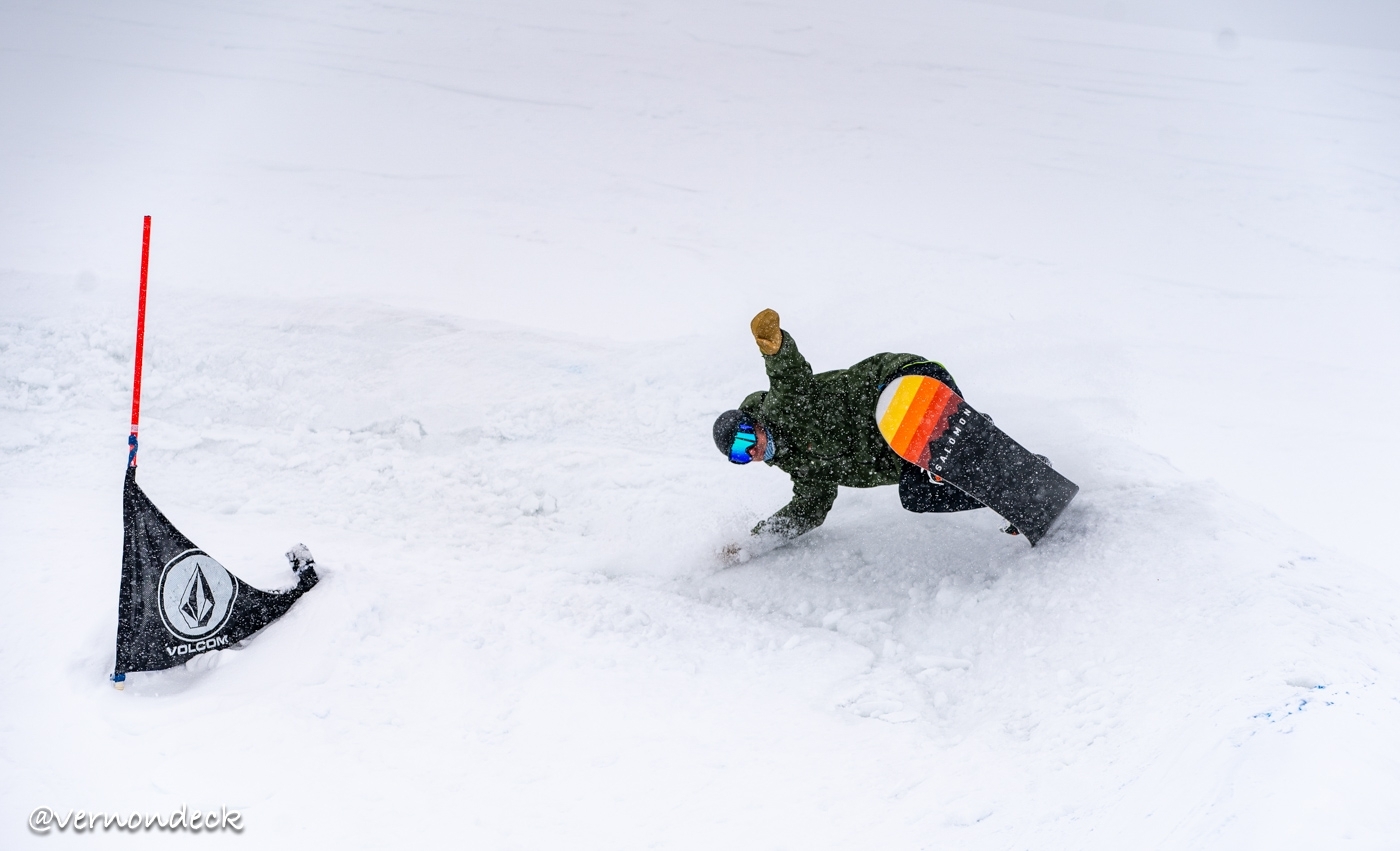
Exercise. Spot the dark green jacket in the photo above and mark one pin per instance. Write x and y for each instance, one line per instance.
(825, 432)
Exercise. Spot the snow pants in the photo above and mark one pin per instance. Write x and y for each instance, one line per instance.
(921, 494)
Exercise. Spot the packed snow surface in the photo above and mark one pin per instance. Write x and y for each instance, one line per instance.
(452, 293)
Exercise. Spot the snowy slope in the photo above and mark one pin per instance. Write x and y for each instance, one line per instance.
(453, 296)
(522, 625)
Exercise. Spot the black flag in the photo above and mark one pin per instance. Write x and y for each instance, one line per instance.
(177, 601)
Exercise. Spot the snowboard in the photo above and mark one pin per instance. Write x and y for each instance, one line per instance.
(927, 424)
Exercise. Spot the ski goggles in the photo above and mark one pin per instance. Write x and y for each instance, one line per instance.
(744, 439)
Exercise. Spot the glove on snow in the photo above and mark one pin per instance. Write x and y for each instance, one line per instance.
(766, 332)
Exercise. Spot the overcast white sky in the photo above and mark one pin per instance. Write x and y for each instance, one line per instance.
(1361, 23)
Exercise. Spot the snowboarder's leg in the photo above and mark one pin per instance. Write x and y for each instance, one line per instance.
(922, 495)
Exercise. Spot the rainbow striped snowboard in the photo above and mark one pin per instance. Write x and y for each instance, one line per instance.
(927, 424)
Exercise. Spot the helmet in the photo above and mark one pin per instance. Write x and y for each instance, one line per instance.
(727, 425)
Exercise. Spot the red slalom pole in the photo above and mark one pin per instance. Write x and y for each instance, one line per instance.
(140, 343)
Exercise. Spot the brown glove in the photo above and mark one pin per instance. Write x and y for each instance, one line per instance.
(766, 332)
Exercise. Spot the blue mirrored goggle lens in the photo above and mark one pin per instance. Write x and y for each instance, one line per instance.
(743, 440)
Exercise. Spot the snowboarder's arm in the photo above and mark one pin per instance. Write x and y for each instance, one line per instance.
(788, 371)
(808, 509)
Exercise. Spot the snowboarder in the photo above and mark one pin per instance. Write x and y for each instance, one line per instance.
(821, 430)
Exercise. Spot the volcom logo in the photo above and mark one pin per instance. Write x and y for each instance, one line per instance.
(199, 646)
(199, 600)
(196, 596)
